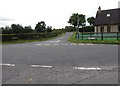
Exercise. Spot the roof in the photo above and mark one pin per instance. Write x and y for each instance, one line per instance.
(107, 17)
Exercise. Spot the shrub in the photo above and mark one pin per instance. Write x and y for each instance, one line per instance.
(30, 36)
(87, 29)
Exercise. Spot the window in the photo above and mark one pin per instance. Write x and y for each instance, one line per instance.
(108, 28)
(102, 29)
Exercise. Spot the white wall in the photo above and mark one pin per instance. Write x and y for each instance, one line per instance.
(114, 28)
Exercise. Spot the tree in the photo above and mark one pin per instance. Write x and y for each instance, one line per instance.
(69, 28)
(40, 27)
(91, 20)
(16, 28)
(77, 20)
(28, 29)
(49, 28)
(6, 30)
(1, 30)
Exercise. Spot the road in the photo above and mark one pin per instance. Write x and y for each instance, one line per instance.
(58, 61)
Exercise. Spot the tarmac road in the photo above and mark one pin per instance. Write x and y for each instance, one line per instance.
(58, 61)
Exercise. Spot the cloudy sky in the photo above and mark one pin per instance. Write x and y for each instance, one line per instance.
(55, 13)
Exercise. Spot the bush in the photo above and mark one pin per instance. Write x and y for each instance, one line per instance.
(87, 29)
(31, 36)
(8, 37)
(69, 28)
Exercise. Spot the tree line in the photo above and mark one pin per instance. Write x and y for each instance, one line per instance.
(17, 28)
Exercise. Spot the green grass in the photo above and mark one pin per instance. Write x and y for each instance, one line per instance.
(98, 41)
(25, 41)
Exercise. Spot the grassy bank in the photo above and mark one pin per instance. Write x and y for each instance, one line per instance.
(74, 40)
(25, 41)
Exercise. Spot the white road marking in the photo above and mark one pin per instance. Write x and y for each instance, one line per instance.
(89, 44)
(51, 41)
(60, 37)
(84, 68)
(81, 44)
(76, 68)
(115, 45)
(46, 44)
(55, 44)
(73, 44)
(58, 41)
(44, 66)
(38, 44)
(64, 44)
(12, 65)
(54, 41)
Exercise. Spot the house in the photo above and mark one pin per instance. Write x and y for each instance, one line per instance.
(107, 20)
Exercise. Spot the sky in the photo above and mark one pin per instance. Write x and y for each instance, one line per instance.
(55, 13)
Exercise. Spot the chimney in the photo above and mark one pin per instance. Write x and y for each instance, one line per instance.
(99, 9)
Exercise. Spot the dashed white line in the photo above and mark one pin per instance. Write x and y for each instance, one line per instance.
(44, 66)
(73, 44)
(89, 44)
(84, 68)
(64, 44)
(46, 44)
(38, 44)
(81, 44)
(55, 44)
(58, 41)
(76, 68)
(51, 41)
(12, 65)
(54, 41)
(60, 37)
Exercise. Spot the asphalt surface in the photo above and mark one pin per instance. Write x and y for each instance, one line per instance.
(58, 61)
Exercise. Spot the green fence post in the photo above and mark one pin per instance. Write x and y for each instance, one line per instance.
(82, 36)
(101, 35)
(91, 34)
(78, 36)
(117, 36)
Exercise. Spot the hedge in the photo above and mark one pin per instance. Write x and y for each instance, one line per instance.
(87, 29)
(29, 36)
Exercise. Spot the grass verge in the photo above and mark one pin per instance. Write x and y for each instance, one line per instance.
(74, 40)
(25, 41)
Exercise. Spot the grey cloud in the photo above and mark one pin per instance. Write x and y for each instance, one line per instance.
(6, 19)
(119, 4)
(2, 23)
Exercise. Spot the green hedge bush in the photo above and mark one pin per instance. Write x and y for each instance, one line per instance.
(87, 29)
(31, 36)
